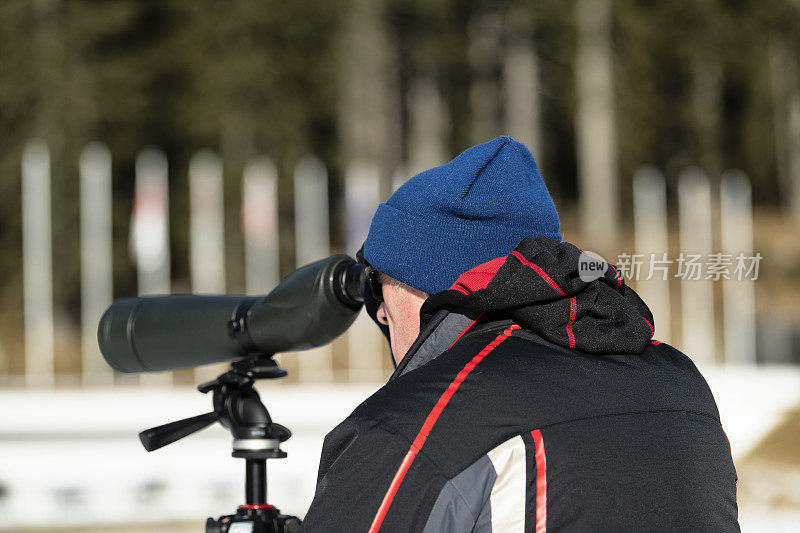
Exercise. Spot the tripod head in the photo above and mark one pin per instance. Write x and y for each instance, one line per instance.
(238, 407)
(256, 438)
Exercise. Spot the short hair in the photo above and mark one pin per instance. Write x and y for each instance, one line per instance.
(383, 279)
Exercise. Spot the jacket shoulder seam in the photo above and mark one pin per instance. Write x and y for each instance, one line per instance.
(626, 413)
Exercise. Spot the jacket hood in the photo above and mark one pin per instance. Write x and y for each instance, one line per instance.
(539, 286)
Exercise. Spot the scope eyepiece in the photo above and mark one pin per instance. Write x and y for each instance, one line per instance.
(349, 283)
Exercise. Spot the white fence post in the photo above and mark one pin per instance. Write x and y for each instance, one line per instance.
(206, 235)
(697, 296)
(485, 37)
(97, 290)
(206, 223)
(794, 153)
(651, 240)
(150, 225)
(311, 211)
(312, 242)
(260, 225)
(37, 269)
(785, 84)
(370, 99)
(736, 213)
(427, 117)
(364, 339)
(595, 127)
(521, 85)
(149, 243)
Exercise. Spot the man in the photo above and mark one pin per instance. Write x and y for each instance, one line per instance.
(524, 398)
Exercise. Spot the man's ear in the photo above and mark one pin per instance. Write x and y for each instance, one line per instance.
(372, 305)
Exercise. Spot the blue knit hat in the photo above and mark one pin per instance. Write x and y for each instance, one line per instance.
(449, 219)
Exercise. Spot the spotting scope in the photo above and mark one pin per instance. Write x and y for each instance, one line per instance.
(309, 308)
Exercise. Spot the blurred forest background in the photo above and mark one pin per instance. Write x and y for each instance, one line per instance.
(695, 83)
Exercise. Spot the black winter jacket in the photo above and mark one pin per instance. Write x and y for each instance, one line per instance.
(532, 401)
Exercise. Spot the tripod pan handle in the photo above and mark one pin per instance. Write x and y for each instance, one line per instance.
(158, 437)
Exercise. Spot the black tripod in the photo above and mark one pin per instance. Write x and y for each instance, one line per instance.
(256, 438)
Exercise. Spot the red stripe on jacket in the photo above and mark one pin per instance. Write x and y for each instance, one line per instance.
(426, 428)
(573, 301)
(541, 482)
(542, 273)
(573, 311)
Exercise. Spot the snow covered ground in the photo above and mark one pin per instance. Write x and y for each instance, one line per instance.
(75, 457)
(72, 458)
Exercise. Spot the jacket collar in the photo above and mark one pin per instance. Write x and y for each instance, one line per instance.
(440, 334)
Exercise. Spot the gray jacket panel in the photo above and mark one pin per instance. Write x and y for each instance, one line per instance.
(464, 500)
(444, 335)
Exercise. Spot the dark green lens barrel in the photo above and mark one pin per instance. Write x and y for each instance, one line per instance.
(310, 307)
